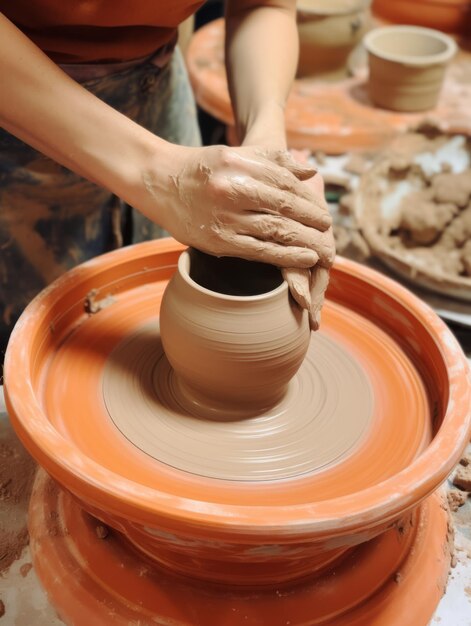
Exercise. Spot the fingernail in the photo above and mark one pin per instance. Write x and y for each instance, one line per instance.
(326, 221)
(309, 256)
(307, 168)
(313, 323)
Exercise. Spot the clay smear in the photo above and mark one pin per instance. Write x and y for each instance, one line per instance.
(17, 470)
(325, 412)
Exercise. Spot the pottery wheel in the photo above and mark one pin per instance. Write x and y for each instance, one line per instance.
(110, 389)
(323, 415)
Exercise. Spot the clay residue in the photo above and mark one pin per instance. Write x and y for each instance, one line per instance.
(462, 478)
(465, 460)
(25, 569)
(350, 243)
(456, 498)
(430, 228)
(93, 305)
(102, 531)
(450, 544)
(357, 164)
(435, 224)
(17, 470)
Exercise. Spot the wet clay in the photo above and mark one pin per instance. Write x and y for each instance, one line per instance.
(456, 498)
(462, 478)
(17, 470)
(327, 408)
(350, 243)
(430, 227)
(435, 224)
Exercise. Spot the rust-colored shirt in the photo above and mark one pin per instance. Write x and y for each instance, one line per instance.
(83, 31)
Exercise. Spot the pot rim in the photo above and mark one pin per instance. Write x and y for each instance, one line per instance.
(327, 10)
(183, 264)
(371, 38)
(109, 491)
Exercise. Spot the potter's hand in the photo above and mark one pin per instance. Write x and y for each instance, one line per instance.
(247, 202)
(308, 286)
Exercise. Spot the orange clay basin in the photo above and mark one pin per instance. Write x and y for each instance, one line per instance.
(138, 519)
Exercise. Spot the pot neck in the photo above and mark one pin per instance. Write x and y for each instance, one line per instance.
(230, 278)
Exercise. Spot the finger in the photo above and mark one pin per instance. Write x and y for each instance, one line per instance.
(316, 184)
(253, 249)
(298, 282)
(274, 175)
(263, 198)
(319, 283)
(303, 170)
(278, 229)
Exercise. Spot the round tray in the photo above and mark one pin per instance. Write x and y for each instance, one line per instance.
(378, 198)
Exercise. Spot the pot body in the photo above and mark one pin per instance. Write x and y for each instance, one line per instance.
(231, 351)
(451, 16)
(328, 33)
(407, 66)
(404, 88)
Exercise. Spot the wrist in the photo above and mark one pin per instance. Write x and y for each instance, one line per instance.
(132, 157)
(266, 128)
(152, 175)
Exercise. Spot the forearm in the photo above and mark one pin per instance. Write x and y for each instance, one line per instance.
(261, 59)
(42, 106)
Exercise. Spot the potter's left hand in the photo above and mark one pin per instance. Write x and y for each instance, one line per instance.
(308, 286)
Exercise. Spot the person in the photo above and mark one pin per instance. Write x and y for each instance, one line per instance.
(100, 144)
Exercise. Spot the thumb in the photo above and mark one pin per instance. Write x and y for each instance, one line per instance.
(298, 282)
(319, 284)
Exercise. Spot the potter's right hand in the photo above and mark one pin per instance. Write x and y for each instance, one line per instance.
(247, 202)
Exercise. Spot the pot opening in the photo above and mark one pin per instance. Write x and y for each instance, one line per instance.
(232, 276)
(410, 44)
(405, 43)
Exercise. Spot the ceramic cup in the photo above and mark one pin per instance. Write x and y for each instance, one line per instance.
(407, 66)
(231, 331)
(328, 31)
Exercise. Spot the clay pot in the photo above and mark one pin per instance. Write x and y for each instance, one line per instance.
(328, 33)
(452, 16)
(407, 66)
(231, 331)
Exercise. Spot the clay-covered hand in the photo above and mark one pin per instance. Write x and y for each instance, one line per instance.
(248, 202)
(308, 286)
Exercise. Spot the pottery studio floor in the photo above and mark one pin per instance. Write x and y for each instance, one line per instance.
(24, 603)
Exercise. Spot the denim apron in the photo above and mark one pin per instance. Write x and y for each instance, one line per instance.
(52, 219)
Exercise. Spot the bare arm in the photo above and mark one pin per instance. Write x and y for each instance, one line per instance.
(215, 198)
(45, 108)
(261, 59)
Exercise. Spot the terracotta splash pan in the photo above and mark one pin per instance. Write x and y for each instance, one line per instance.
(452, 16)
(334, 117)
(245, 534)
(57, 317)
